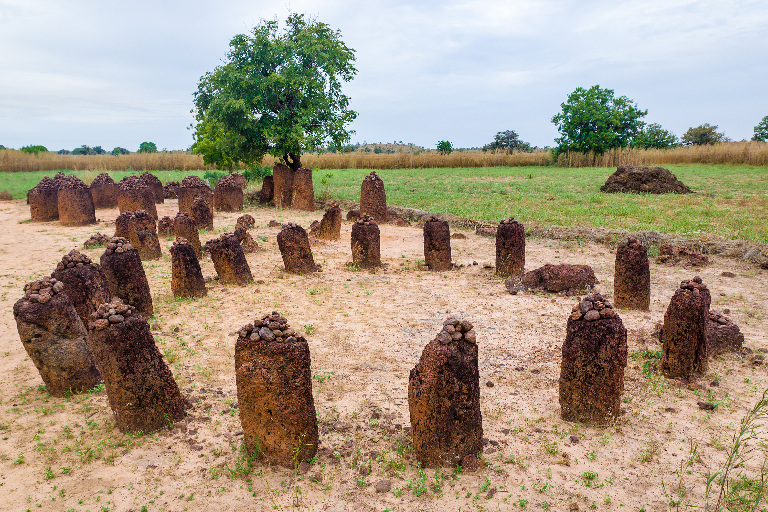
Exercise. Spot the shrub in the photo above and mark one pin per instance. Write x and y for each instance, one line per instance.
(5, 196)
(213, 177)
(257, 172)
(704, 134)
(34, 149)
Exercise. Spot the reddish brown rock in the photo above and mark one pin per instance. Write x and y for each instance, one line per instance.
(140, 388)
(632, 276)
(649, 180)
(96, 240)
(125, 274)
(104, 191)
(229, 260)
(722, 334)
(594, 358)
(43, 200)
(295, 250)
(186, 275)
(155, 185)
(202, 214)
(437, 244)
(303, 196)
(353, 214)
(373, 199)
(134, 195)
(510, 249)
(274, 392)
(228, 195)
(282, 179)
(190, 188)
(123, 224)
(84, 283)
(240, 180)
(171, 190)
(143, 235)
(245, 221)
(267, 192)
(247, 242)
(185, 227)
(487, 232)
(366, 245)
(165, 227)
(329, 227)
(444, 398)
(75, 203)
(54, 338)
(679, 255)
(558, 278)
(684, 337)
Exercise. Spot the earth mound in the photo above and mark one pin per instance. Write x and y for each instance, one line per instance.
(652, 180)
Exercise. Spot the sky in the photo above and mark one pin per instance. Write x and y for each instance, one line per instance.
(119, 73)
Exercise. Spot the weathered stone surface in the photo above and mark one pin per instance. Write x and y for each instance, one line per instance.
(303, 195)
(185, 227)
(240, 180)
(353, 214)
(43, 200)
(329, 227)
(274, 392)
(366, 243)
(247, 242)
(192, 187)
(133, 195)
(228, 194)
(75, 203)
(594, 358)
(123, 225)
(171, 190)
(155, 185)
(84, 283)
(202, 214)
(142, 234)
(295, 250)
(632, 276)
(684, 339)
(510, 248)
(186, 275)
(54, 338)
(267, 192)
(125, 274)
(557, 278)
(165, 227)
(437, 244)
(373, 198)
(282, 179)
(140, 388)
(229, 260)
(104, 191)
(246, 221)
(651, 180)
(444, 398)
(679, 255)
(96, 240)
(722, 334)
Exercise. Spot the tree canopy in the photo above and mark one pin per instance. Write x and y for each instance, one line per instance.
(444, 147)
(595, 120)
(761, 130)
(147, 147)
(507, 140)
(278, 92)
(653, 136)
(702, 135)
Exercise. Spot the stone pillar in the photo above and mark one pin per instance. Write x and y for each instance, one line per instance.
(202, 213)
(229, 260)
(186, 275)
(75, 203)
(373, 199)
(122, 267)
(684, 338)
(192, 187)
(294, 247)
(510, 249)
(134, 195)
(43, 201)
(632, 276)
(366, 245)
(245, 221)
(444, 398)
(155, 185)
(104, 191)
(303, 195)
(142, 393)
(330, 225)
(54, 338)
(184, 226)
(274, 392)
(267, 192)
(165, 227)
(594, 358)
(283, 184)
(247, 242)
(171, 190)
(437, 244)
(84, 283)
(123, 224)
(228, 195)
(143, 235)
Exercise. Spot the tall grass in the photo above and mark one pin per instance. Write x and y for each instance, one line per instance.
(16, 161)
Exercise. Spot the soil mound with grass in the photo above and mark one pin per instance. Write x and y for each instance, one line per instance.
(652, 180)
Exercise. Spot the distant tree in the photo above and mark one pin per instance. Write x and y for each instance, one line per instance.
(761, 130)
(444, 147)
(507, 140)
(120, 151)
(63, 152)
(83, 150)
(147, 147)
(704, 134)
(654, 136)
(34, 149)
(594, 120)
(2, 147)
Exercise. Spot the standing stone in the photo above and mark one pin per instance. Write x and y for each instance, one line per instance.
(274, 392)
(437, 244)
(594, 358)
(165, 227)
(142, 393)
(229, 260)
(123, 224)
(228, 195)
(125, 274)
(444, 398)
(510, 249)
(43, 200)
(75, 203)
(171, 190)
(134, 195)
(373, 199)
(192, 187)
(186, 275)
(143, 235)
(54, 338)
(283, 185)
(247, 242)
(723, 335)
(84, 283)
(240, 180)
(202, 213)
(184, 226)
(267, 192)
(155, 185)
(104, 191)
(684, 335)
(303, 197)
(632, 277)
(295, 250)
(366, 244)
(245, 221)
(330, 225)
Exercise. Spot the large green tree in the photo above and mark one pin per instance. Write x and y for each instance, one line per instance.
(147, 147)
(653, 136)
(702, 135)
(595, 120)
(278, 92)
(507, 140)
(761, 130)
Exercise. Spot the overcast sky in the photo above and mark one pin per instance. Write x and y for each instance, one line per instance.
(119, 73)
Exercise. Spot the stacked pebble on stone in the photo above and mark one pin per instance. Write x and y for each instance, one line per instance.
(96, 240)
(510, 249)
(191, 187)
(186, 275)
(303, 192)
(684, 337)
(228, 195)
(444, 398)
(84, 283)
(202, 213)
(43, 200)
(274, 391)
(632, 276)
(283, 185)
(184, 226)
(125, 274)
(133, 195)
(155, 185)
(366, 243)
(437, 244)
(229, 260)
(373, 198)
(104, 191)
(75, 203)
(293, 242)
(594, 358)
(165, 227)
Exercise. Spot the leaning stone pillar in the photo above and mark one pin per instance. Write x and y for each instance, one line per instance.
(186, 275)
(295, 250)
(125, 274)
(229, 260)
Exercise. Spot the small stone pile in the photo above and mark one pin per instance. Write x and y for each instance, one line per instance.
(566, 278)
(274, 391)
(184, 227)
(303, 191)
(632, 276)
(143, 235)
(228, 195)
(104, 191)
(444, 398)
(649, 180)
(229, 260)
(96, 240)
(282, 179)
(186, 275)
(373, 198)
(295, 250)
(679, 255)
(155, 185)
(246, 221)
(366, 243)
(43, 200)
(201, 212)
(75, 202)
(329, 227)
(594, 358)
(54, 338)
(684, 337)
(191, 187)
(140, 388)
(247, 242)
(723, 335)
(133, 195)
(510, 249)
(165, 227)
(171, 190)
(84, 282)
(267, 192)
(125, 274)
(437, 244)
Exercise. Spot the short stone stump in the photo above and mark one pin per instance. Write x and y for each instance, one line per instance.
(437, 244)
(134, 195)
(228, 195)
(510, 249)
(684, 335)
(75, 203)
(104, 191)
(43, 200)
(155, 185)
(190, 188)
(329, 227)
(366, 243)
(84, 283)
(186, 276)
(229, 260)
(184, 226)
(632, 276)
(295, 250)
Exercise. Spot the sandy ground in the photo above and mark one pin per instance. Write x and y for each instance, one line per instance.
(366, 332)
